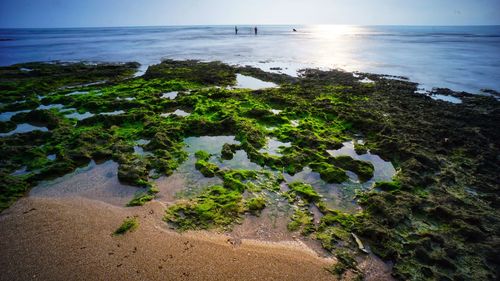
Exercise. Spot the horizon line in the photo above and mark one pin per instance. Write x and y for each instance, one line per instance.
(215, 25)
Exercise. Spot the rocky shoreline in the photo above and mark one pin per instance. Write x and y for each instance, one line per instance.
(437, 219)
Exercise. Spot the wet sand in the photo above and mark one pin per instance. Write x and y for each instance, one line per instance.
(46, 238)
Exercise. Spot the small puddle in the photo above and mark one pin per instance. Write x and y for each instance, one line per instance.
(79, 116)
(366, 80)
(95, 181)
(138, 148)
(248, 82)
(127, 98)
(341, 196)
(240, 161)
(50, 106)
(178, 112)
(77, 93)
(169, 95)
(210, 144)
(117, 112)
(383, 170)
(20, 172)
(336, 196)
(274, 146)
(6, 116)
(186, 178)
(24, 128)
(51, 157)
(451, 99)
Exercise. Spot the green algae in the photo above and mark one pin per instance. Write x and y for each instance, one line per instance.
(128, 225)
(215, 207)
(302, 220)
(305, 191)
(345, 262)
(142, 198)
(438, 219)
(256, 204)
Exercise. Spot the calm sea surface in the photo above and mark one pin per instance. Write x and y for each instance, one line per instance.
(461, 58)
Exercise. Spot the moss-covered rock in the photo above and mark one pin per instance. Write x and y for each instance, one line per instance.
(256, 204)
(305, 191)
(216, 207)
(206, 168)
(228, 151)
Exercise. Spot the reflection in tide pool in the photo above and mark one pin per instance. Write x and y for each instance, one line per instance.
(117, 112)
(384, 170)
(336, 196)
(240, 161)
(341, 196)
(170, 95)
(77, 93)
(186, 178)
(24, 128)
(248, 82)
(79, 116)
(20, 172)
(447, 98)
(50, 106)
(138, 148)
(6, 116)
(273, 147)
(95, 181)
(177, 112)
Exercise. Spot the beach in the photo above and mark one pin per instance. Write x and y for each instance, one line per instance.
(71, 239)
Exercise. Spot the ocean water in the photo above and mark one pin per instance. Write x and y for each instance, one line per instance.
(461, 58)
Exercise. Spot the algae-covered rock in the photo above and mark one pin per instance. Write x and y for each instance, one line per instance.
(202, 155)
(133, 173)
(205, 73)
(256, 204)
(206, 168)
(329, 173)
(363, 169)
(216, 207)
(228, 151)
(306, 191)
(302, 220)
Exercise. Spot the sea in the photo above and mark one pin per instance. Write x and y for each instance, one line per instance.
(462, 58)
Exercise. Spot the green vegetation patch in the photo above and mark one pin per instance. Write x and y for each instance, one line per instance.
(437, 220)
(215, 207)
(128, 225)
(305, 191)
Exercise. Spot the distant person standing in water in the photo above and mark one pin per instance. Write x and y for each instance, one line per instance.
(236, 30)
(255, 29)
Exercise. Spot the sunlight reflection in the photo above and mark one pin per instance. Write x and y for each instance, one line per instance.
(334, 45)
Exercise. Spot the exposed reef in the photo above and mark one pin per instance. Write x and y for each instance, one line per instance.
(437, 219)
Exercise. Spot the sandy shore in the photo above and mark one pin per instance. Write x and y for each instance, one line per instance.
(70, 239)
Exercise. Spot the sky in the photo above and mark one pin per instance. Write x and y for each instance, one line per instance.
(104, 13)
